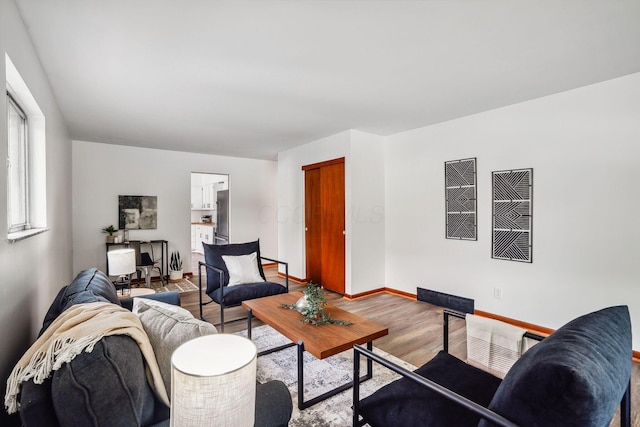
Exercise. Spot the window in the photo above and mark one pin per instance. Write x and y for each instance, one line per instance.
(26, 160)
(17, 168)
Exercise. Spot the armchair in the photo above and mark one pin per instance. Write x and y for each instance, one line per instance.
(234, 274)
(575, 377)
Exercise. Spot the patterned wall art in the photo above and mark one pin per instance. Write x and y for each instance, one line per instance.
(512, 215)
(137, 212)
(460, 196)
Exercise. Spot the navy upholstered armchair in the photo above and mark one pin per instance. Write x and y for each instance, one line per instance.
(234, 274)
(575, 377)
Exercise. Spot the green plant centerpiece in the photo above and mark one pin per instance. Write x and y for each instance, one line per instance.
(312, 306)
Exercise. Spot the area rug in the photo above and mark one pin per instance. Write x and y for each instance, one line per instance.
(185, 285)
(320, 376)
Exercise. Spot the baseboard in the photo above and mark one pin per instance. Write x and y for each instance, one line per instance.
(364, 294)
(293, 279)
(380, 291)
(536, 329)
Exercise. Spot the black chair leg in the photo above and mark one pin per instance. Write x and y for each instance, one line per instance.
(222, 317)
(200, 264)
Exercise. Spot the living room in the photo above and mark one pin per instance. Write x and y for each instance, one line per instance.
(580, 138)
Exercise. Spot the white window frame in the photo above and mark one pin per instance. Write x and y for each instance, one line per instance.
(35, 165)
(17, 158)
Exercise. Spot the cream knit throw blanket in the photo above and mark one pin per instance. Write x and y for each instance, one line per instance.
(492, 345)
(78, 329)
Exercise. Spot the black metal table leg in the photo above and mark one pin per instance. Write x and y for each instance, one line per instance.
(369, 374)
(271, 350)
(302, 404)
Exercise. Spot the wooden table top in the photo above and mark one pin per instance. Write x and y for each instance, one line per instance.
(322, 341)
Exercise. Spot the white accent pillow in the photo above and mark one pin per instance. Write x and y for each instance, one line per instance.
(242, 269)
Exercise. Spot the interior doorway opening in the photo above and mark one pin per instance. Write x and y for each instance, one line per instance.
(209, 213)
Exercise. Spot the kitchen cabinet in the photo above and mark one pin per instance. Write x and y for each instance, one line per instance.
(198, 239)
(193, 238)
(208, 196)
(196, 197)
(202, 234)
(207, 235)
(204, 197)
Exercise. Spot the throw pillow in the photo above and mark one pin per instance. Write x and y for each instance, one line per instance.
(242, 269)
(168, 326)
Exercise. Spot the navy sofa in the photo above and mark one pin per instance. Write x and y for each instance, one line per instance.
(575, 377)
(108, 387)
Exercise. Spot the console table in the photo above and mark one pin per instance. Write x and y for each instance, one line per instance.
(164, 253)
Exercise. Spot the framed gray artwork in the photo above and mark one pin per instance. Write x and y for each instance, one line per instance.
(512, 211)
(460, 199)
(137, 212)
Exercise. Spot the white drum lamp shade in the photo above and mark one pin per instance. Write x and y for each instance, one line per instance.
(121, 262)
(213, 382)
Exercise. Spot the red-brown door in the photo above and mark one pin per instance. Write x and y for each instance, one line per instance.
(324, 224)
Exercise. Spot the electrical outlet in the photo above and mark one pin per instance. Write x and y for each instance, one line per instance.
(497, 293)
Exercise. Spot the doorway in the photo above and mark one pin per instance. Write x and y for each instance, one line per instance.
(325, 224)
(209, 213)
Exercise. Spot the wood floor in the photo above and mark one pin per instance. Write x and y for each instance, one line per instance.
(415, 328)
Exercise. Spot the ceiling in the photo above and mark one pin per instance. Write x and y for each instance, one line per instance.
(252, 78)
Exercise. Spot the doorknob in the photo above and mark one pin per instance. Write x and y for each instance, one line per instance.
(344, 233)
(306, 229)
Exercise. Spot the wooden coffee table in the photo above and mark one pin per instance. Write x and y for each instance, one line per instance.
(321, 341)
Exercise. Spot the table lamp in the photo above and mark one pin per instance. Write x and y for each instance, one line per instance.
(121, 263)
(213, 382)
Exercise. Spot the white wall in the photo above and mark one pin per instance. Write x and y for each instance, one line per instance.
(33, 269)
(584, 148)
(365, 217)
(364, 205)
(101, 172)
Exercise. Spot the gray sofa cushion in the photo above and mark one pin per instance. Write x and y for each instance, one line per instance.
(575, 377)
(167, 327)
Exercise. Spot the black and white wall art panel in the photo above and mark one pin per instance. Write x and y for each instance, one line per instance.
(460, 197)
(137, 212)
(512, 214)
